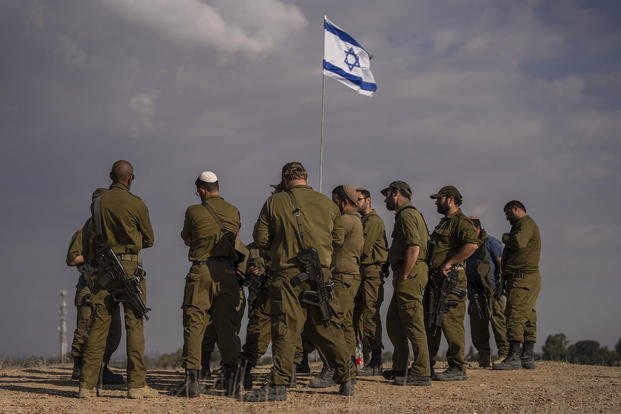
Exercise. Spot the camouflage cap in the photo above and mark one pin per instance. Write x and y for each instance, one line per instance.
(398, 185)
(448, 191)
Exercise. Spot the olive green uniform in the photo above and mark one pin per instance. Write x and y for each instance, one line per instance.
(449, 236)
(126, 229)
(346, 275)
(258, 330)
(521, 268)
(405, 319)
(211, 287)
(82, 299)
(481, 283)
(277, 230)
(367, 318)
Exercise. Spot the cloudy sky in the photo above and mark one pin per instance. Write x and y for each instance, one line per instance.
(504, 99)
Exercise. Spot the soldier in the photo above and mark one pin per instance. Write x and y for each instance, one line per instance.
(405, 319)
(482, 271)
(210, 337)
(371, 293)
(521, 270)
(289, 223)
(80, 253)
(454, 240)
(211, 286)
(122, 224)
(346, 276)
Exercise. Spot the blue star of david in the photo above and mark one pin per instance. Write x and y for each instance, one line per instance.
(356, 60)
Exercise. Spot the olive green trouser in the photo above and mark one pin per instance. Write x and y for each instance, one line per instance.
(104, 307)
(345, 290)
(211, 292)
(367, 318)
(84, 313)
(210, 337)
(452, 325)
(520, 311)
(258, 330)
(479, 327)
(405, 321)
(289, 316)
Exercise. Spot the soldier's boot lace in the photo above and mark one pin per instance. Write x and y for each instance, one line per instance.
(267, 393)
(452, 373)
(190, 387)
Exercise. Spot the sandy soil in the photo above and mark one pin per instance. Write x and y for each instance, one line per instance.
(551, 388)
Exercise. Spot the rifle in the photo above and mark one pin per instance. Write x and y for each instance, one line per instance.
(479, 301)
(500, 287)
(437, 307)
(130, 292)
(309, 259)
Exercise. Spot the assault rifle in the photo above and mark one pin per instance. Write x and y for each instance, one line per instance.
(309, 259)
(130, 291)
(438, 302)
(479, 302)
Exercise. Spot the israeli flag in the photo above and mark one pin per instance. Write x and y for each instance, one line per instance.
(346, 60)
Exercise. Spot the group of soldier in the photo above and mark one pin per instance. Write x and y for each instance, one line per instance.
(315, 273)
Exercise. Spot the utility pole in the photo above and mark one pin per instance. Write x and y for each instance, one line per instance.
(62, 329)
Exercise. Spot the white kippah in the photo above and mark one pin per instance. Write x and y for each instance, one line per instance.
(208, 177)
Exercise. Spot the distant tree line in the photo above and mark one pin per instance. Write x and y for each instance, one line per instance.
(589, 352)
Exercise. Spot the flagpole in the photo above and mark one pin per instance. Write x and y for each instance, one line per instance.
(323, 89)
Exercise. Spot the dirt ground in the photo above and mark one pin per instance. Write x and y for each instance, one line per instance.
(550, 388)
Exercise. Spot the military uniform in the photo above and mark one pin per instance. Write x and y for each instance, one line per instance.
(277, 230)
(346, 275)
(371, 293)
(521, 268)
(211, 287)
(453, 231)
(486, 309)
(126, 229)
(258, 330)
(405, 317)
(82, 243)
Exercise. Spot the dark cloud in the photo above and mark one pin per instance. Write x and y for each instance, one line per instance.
(504, 100)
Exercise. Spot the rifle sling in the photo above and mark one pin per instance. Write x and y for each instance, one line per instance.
(296, 213)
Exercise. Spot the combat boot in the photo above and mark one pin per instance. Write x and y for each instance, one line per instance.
(267, 393)
(374, 367)
(413, 380)
(324, 379)
(142, 392)
(452, 373)
(513, 360)
(205, 367)
(485, 360)
(231, 380)
(391, 374)
(191, 387)
(303, 367)
(247, 381)
(110, 378)
(346, 389)
(528, 355)
(77, 367)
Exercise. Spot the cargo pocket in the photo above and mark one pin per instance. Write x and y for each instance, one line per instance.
(277, 314)
(190, 292)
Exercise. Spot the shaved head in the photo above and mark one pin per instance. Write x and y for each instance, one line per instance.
(121, 171)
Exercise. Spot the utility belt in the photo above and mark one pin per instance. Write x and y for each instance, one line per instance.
(518, 275)
(128, 257)
(213, 259)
